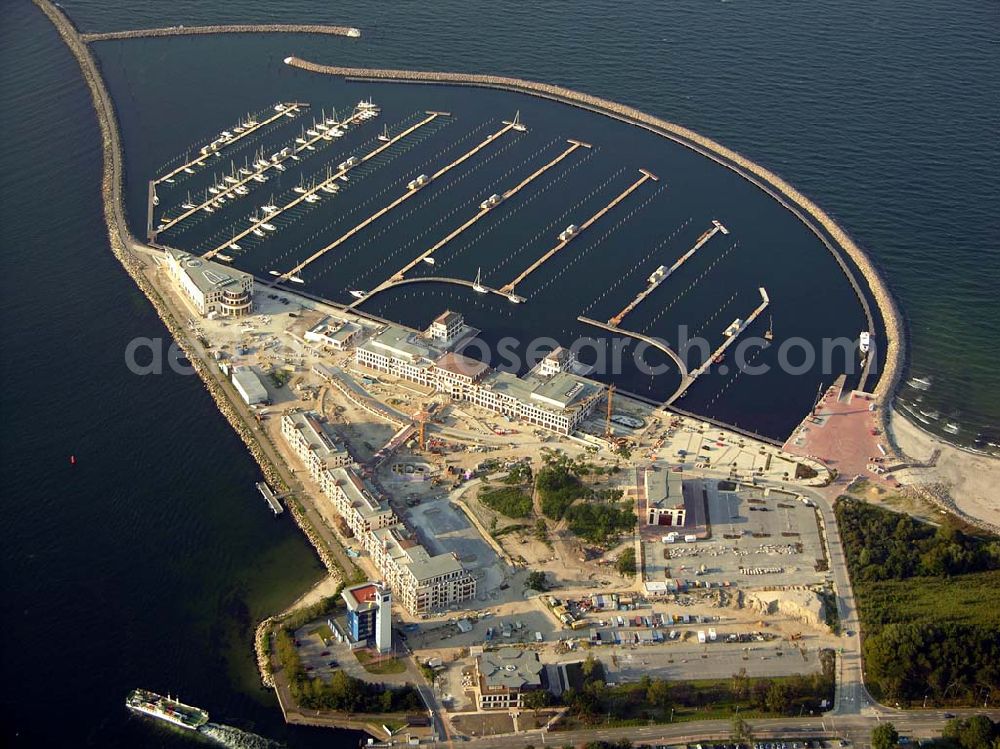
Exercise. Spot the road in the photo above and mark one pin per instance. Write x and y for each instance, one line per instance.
(856, 728)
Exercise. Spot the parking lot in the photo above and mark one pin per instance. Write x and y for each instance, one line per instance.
(757, 540)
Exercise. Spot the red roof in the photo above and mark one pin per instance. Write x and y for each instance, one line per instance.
(364, 593)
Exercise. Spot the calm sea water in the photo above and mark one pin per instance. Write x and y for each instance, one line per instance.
(149, 560)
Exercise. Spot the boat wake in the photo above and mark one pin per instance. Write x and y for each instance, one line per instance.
(234, 738)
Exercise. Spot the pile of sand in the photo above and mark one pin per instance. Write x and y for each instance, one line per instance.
(803, 605)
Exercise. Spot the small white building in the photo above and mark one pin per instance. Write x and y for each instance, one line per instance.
(213, 289)
(337, 334)
(446, 326)
(249, 386)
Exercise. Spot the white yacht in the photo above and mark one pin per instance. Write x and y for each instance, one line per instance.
(477, 285)
(269, 227)
(359, 294)
(257, 233)
(384, 137)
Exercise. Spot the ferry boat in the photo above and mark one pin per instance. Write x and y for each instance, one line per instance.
(166, 709)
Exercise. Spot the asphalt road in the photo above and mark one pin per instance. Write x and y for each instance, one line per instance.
(856, 728)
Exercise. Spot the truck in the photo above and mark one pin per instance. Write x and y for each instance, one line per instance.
(701, 636)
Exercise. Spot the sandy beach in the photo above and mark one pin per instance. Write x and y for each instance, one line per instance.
(971, 480)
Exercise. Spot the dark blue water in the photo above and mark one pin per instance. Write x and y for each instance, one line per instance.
(151, 559)
(595, 276)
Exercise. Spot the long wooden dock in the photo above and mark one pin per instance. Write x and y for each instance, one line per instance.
(646, 176)
(230, 189)
(481, 213)
(653, 285)
(292, 107)
(431, 116)
(293, 273)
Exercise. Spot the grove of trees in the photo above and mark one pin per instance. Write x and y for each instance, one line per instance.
(926, 596)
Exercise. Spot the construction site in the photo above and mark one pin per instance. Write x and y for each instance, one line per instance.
(352, 272)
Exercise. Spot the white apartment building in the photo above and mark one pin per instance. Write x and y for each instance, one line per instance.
(551, 396)
(213, 289)
(446, 327)
(355, 502)
(312, 443)
(420, 581)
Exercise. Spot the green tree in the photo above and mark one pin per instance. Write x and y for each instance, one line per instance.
(537, 699)
(885, 736)
(536, 581)
(741, 685)
(658, 694)
(777, 697)
(625, 563)
(742, 733)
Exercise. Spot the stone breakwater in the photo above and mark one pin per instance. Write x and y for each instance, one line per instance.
(124, 245)
(266, 28)
(261, 648)
(778, 188)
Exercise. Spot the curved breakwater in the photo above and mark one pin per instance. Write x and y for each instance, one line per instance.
(239, 28)
(774, 185)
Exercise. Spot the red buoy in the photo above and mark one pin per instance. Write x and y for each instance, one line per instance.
(72, 460)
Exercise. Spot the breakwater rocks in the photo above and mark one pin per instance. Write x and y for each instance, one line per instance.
(262, 649)
(239, 28)
(810, 213)
(124, 245)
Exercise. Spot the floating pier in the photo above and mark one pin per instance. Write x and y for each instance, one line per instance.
(662, 274)
(230, 188)
(344, 168)
(572, 232)
(730, 338)
(412, 189)
(272, 499)
(286, 107)
(650, 340)
(486, 207)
